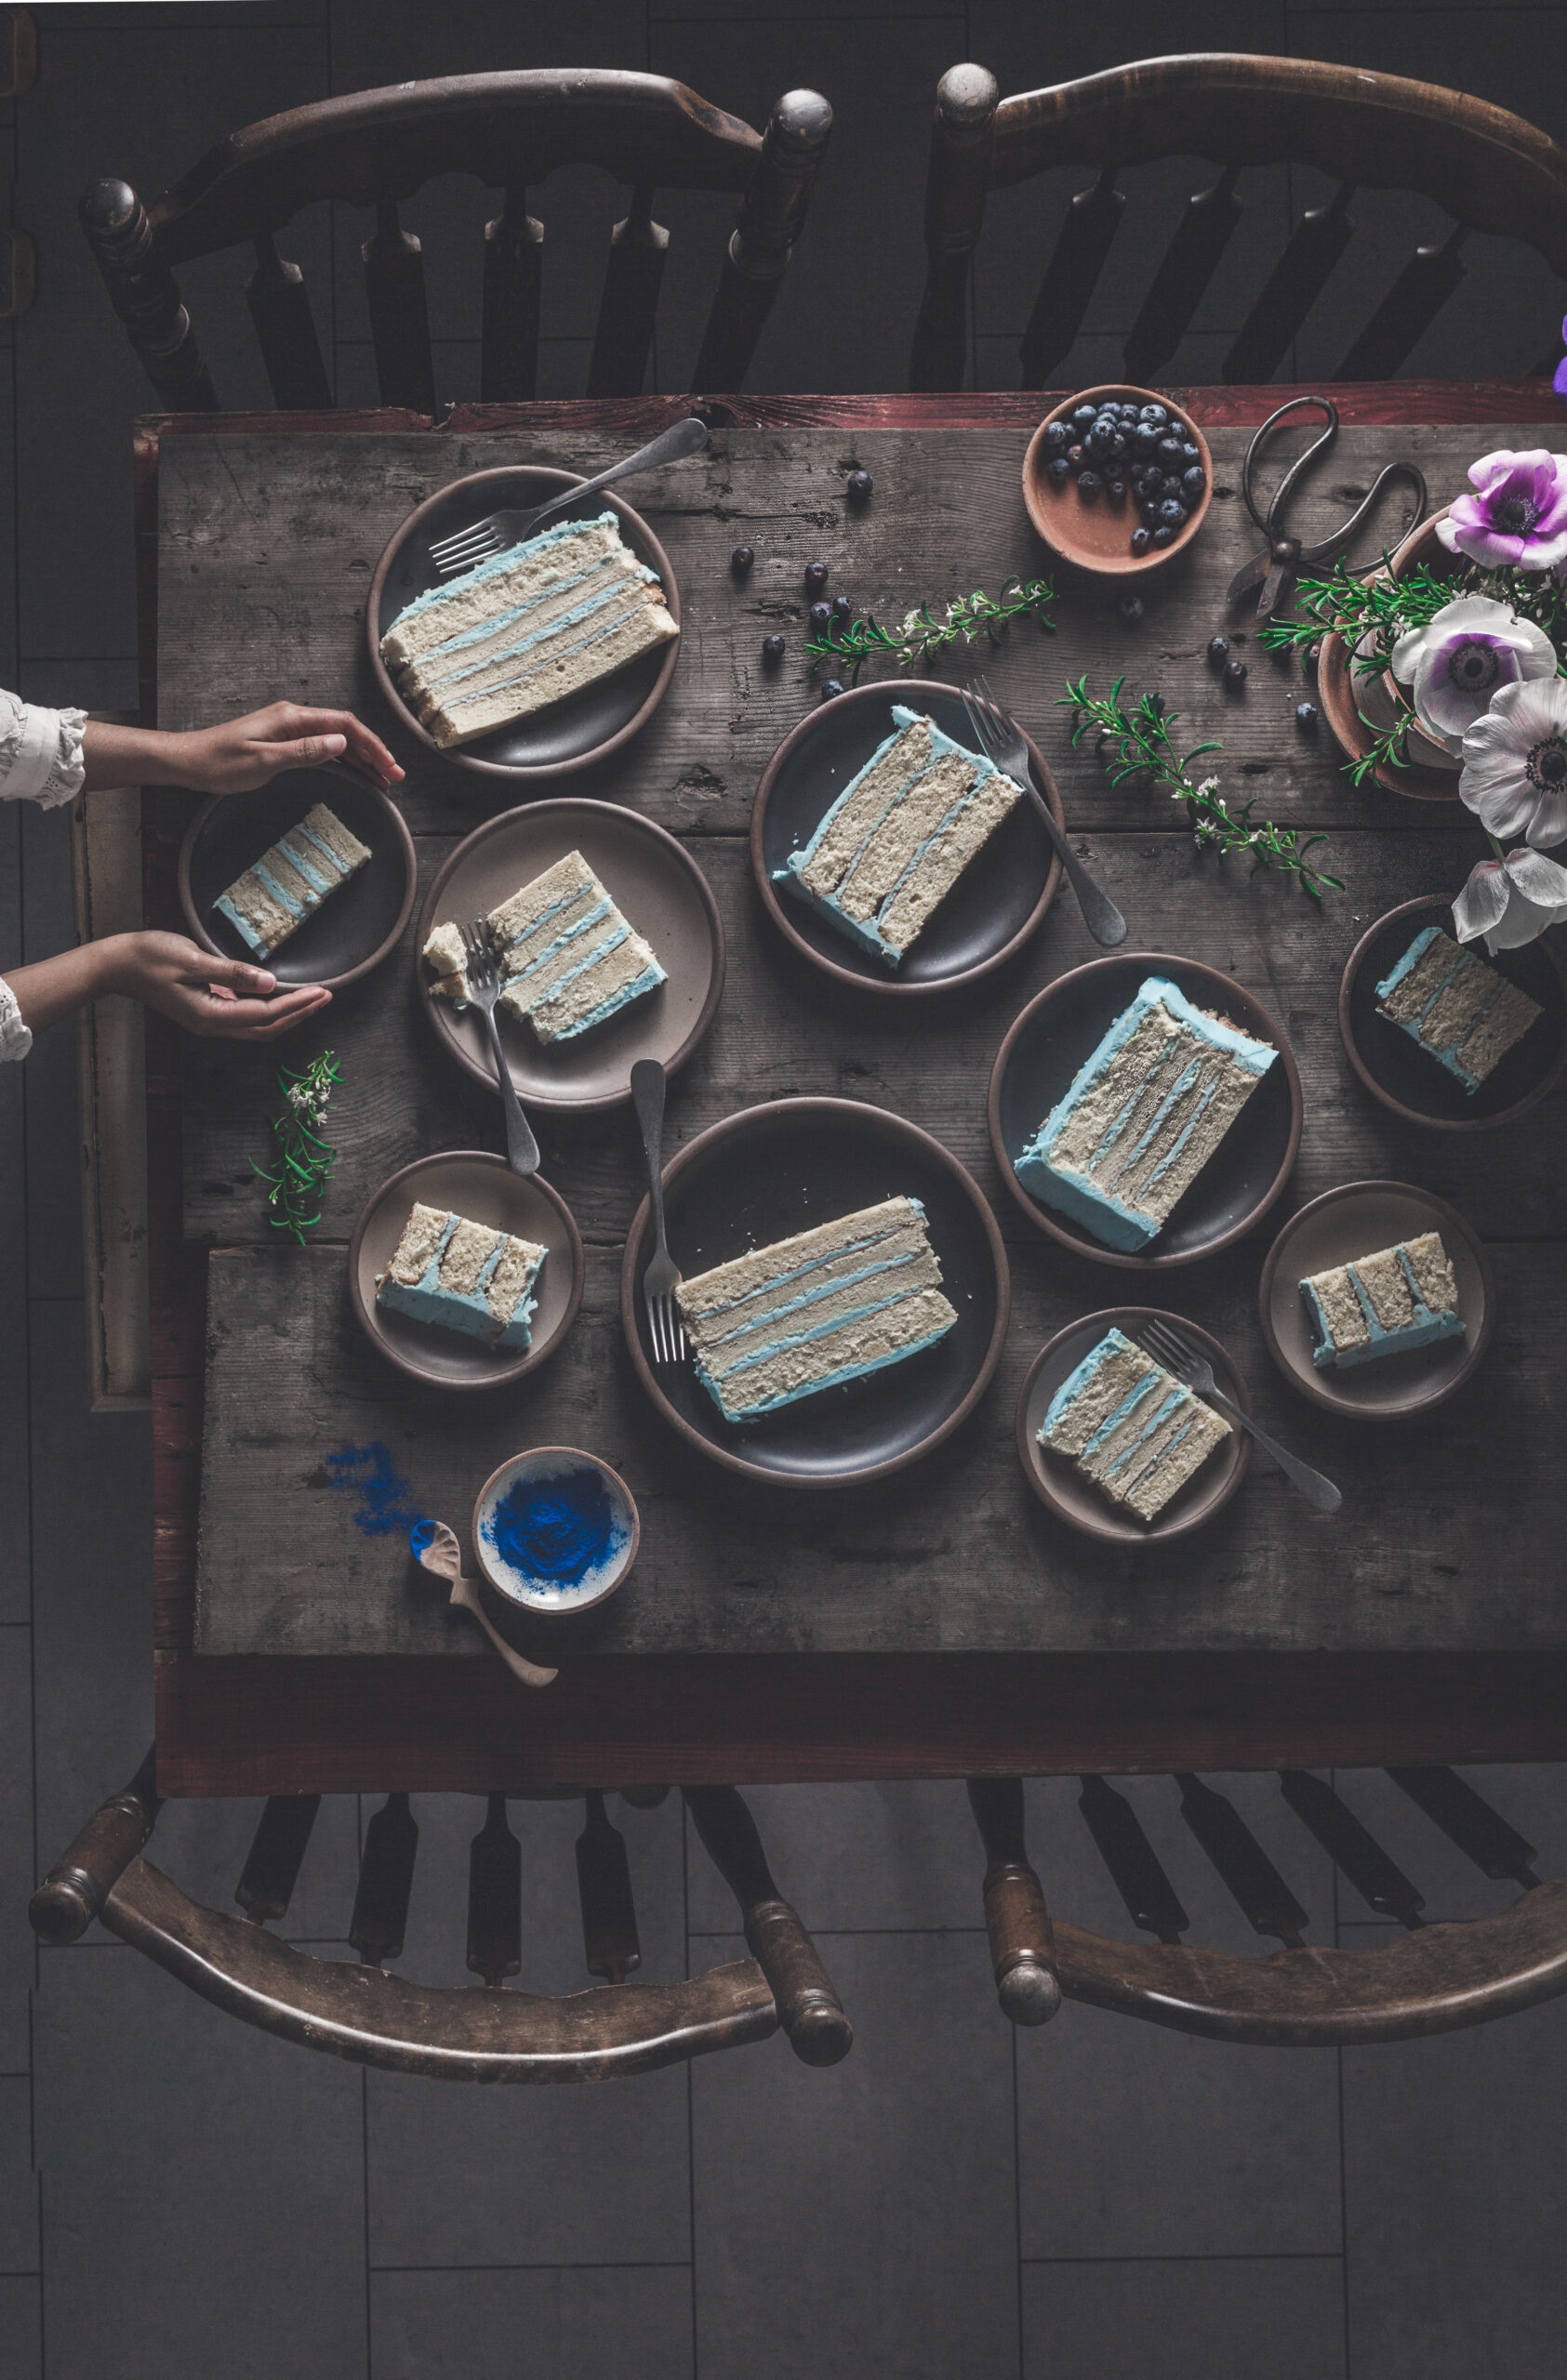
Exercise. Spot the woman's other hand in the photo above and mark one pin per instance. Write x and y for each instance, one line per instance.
(205, 994)
(243, 753)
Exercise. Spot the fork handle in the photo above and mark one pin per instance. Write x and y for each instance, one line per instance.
(522, 1149)
(1100, 914)
(1319, 1493)
(687, 437)
(648, 1083)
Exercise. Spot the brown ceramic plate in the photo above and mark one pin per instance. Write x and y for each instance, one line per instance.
(991, 911)
(1355, 707)
(768, 1172)
(657, 885)
(565, 736)
(1097, 537)
(356, 927)
(470, 1182)
(1356, 1219)
(1405, 1078)
(1062, 1026)
(1058, 1484)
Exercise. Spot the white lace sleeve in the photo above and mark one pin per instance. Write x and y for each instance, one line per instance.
(40, 752)
(15, 1038)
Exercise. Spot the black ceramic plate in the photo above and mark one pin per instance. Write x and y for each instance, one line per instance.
(773, 1170)
(356, 927)
(996, 904)
(565, 736)
(1407, 1078)
(1062, 1027)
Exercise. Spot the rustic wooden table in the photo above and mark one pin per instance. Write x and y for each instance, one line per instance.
(943, 1623)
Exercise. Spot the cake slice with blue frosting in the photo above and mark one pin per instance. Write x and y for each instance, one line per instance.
(1455, 1007)
(1131, 1427)
(285, 885)
(898, 836)
(1392, 1303)
(1143, 1116)
(829, 1306)
(569, 958)
(526, 628)
(464, 1276)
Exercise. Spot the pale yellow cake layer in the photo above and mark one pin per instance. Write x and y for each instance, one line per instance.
(916, 1269)
(905, 826)
(421, 1237)
(550, 675)
(741, 1277)
(870, 1341)
(465, 607)
(836, 852)
(1155, 1178)
(715, 1328)
(1151, 1491)
(940, 870)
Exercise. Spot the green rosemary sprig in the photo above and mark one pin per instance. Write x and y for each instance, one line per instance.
(1371, 614)
(1388, 747)
(305, 1161)
(1143, 747)
(853, 642)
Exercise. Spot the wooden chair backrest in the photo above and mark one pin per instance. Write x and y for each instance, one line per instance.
(1491, 171)
(510, 131)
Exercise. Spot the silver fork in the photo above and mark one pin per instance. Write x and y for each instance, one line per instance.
(491, 535)
(1003, 744)
(483, 978)
(1178, 1356)
(663, 1276)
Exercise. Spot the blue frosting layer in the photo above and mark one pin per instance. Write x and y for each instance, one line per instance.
(1426, 1330)
(1447, 1057)
(467, 1311)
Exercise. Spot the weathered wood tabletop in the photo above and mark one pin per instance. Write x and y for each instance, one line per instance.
(1448, 1544)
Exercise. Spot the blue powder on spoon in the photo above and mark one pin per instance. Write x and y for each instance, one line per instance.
(556, 1528)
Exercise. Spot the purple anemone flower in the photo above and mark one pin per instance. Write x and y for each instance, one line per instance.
(1456, 662)
(1518, 515)
(1515, 764)
(1560, 382)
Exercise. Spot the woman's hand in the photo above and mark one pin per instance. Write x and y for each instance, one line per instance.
(205, 995)
(238, 755)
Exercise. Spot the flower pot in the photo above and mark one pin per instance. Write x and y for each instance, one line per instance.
(1432, 772)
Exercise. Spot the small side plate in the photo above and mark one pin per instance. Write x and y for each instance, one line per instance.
(1356, 1219)
(483, 1188)
(520, 1587)
(1061, 1488)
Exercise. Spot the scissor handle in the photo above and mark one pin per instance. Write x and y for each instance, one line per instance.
(1330, 412)
(1341, 536)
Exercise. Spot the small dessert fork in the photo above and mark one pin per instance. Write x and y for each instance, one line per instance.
(482, 539)
(663, 1276)
(1004, 746)
(1178, 1356)
(483, 978)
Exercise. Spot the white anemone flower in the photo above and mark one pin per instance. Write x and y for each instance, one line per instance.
(1515, 764)
(1462, 657)
(1512, 901)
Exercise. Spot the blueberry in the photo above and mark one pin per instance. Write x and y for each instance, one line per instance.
(1145, 438)
(1157, 414)
(1057, 438)
(1083, 417)
(1131, 607)
(860, 486)
(1150, 510)
(1077, 457)
(1193, 454)
(1170, 486)
(772, 649)
(1172, 454)
(831, 686)
(1116, 490)
(1158, 704)
(1088, 485)
(816, 574)
(740, 560)
(1305, 717)
(1102, 437)
(1218, 651)
(821, 615)
(1163, 535)
(1313, 655)
(1172, 516)
(1141, 540)
(1194, 484)
(1234, 673)
(1059, 470)
(841, 608)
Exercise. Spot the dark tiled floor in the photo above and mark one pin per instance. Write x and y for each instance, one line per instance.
(179, 2196)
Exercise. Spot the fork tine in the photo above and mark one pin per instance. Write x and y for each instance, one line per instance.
(978, 724)
(460, 537)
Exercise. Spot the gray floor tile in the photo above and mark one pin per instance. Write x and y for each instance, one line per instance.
(202, 2186)
(22, 2346)
(15, 1599)
(544, 2325)
(19, 2187)
(1534, 1800)
(1186, 2320)
(853, 1857)
(1456, 2199)
(204, 1845)
(863, 2220)
(16, 1875)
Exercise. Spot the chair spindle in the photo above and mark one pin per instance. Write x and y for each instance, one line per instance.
(1381, 1883)
(771, 214)
(277, 1852)
(1250, 1877)
(1151, 1898)
(146, 296)
(1408, 310)
(495, 1897)
(1022, 1945)
(73, 1892)
(809, 2009)
(629, 303)
(1185, 271)
(604, 1884)
(1290, 291)
(645, 1797)
(513, 268)
(1070, 277)
(386, 1880)
(957, 181)
(399, 316)
(280, 308)
(1480, 1834)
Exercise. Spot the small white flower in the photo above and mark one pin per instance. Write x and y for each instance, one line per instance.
(1512, 901)
(1515, 764)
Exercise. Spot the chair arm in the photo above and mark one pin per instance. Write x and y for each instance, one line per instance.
(75, 1891)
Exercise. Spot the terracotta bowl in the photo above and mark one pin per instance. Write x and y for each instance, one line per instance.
(1097, 537)
(1344, 696)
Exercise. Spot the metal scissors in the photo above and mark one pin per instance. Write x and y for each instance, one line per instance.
(1274, 569)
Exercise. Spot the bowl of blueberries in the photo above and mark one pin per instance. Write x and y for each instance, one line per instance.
(1117, 481)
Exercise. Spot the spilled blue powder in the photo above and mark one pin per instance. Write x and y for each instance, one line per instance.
(557, 1529)
(369, 1474)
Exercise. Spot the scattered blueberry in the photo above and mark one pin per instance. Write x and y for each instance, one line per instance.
(841, 608)
(1193, 485)
(1059, 470)
(1306, 717)
(1313, 655)
(1158, 704)
(860, 486)
(821, 615)
(1234, 673)
(1088, 485)
(1141, 540)
(816, 574)
(772, 649)
(831, 686)
(740, 560)
(1163, 535)
(1131, 607)
(1218, 651)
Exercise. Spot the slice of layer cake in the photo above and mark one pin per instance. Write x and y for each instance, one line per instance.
(899, 836)
(1144, 1115)
(1401, 1298)
(569, 958)
(1131, 1426)
(526, 628)
(278, 893)
(1458, 1010)
(464, 1277)
(829, 1306)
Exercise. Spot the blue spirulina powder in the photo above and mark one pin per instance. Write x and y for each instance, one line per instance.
(369, 1474)
(555, 1529)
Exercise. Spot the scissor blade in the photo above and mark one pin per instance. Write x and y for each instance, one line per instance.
(1251, 575)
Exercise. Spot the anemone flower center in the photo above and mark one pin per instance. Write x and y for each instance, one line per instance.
(1547, 766)
(1515, 514)
(1475, 666)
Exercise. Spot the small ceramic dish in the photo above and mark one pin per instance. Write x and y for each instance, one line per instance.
(356, 926)
(658, 886)
(592, 1534)
(1062, 1487)
(1406, 1078)
(1353, 1220)
(1062, 1026)
(483, 1188)
(565, 736)
(993, 909)
(1357, 707)
(1097, 537)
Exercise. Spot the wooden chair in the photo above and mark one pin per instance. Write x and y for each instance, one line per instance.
(509, 132)
(1491, 171)
(488, 2035)
(1432, 1978)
